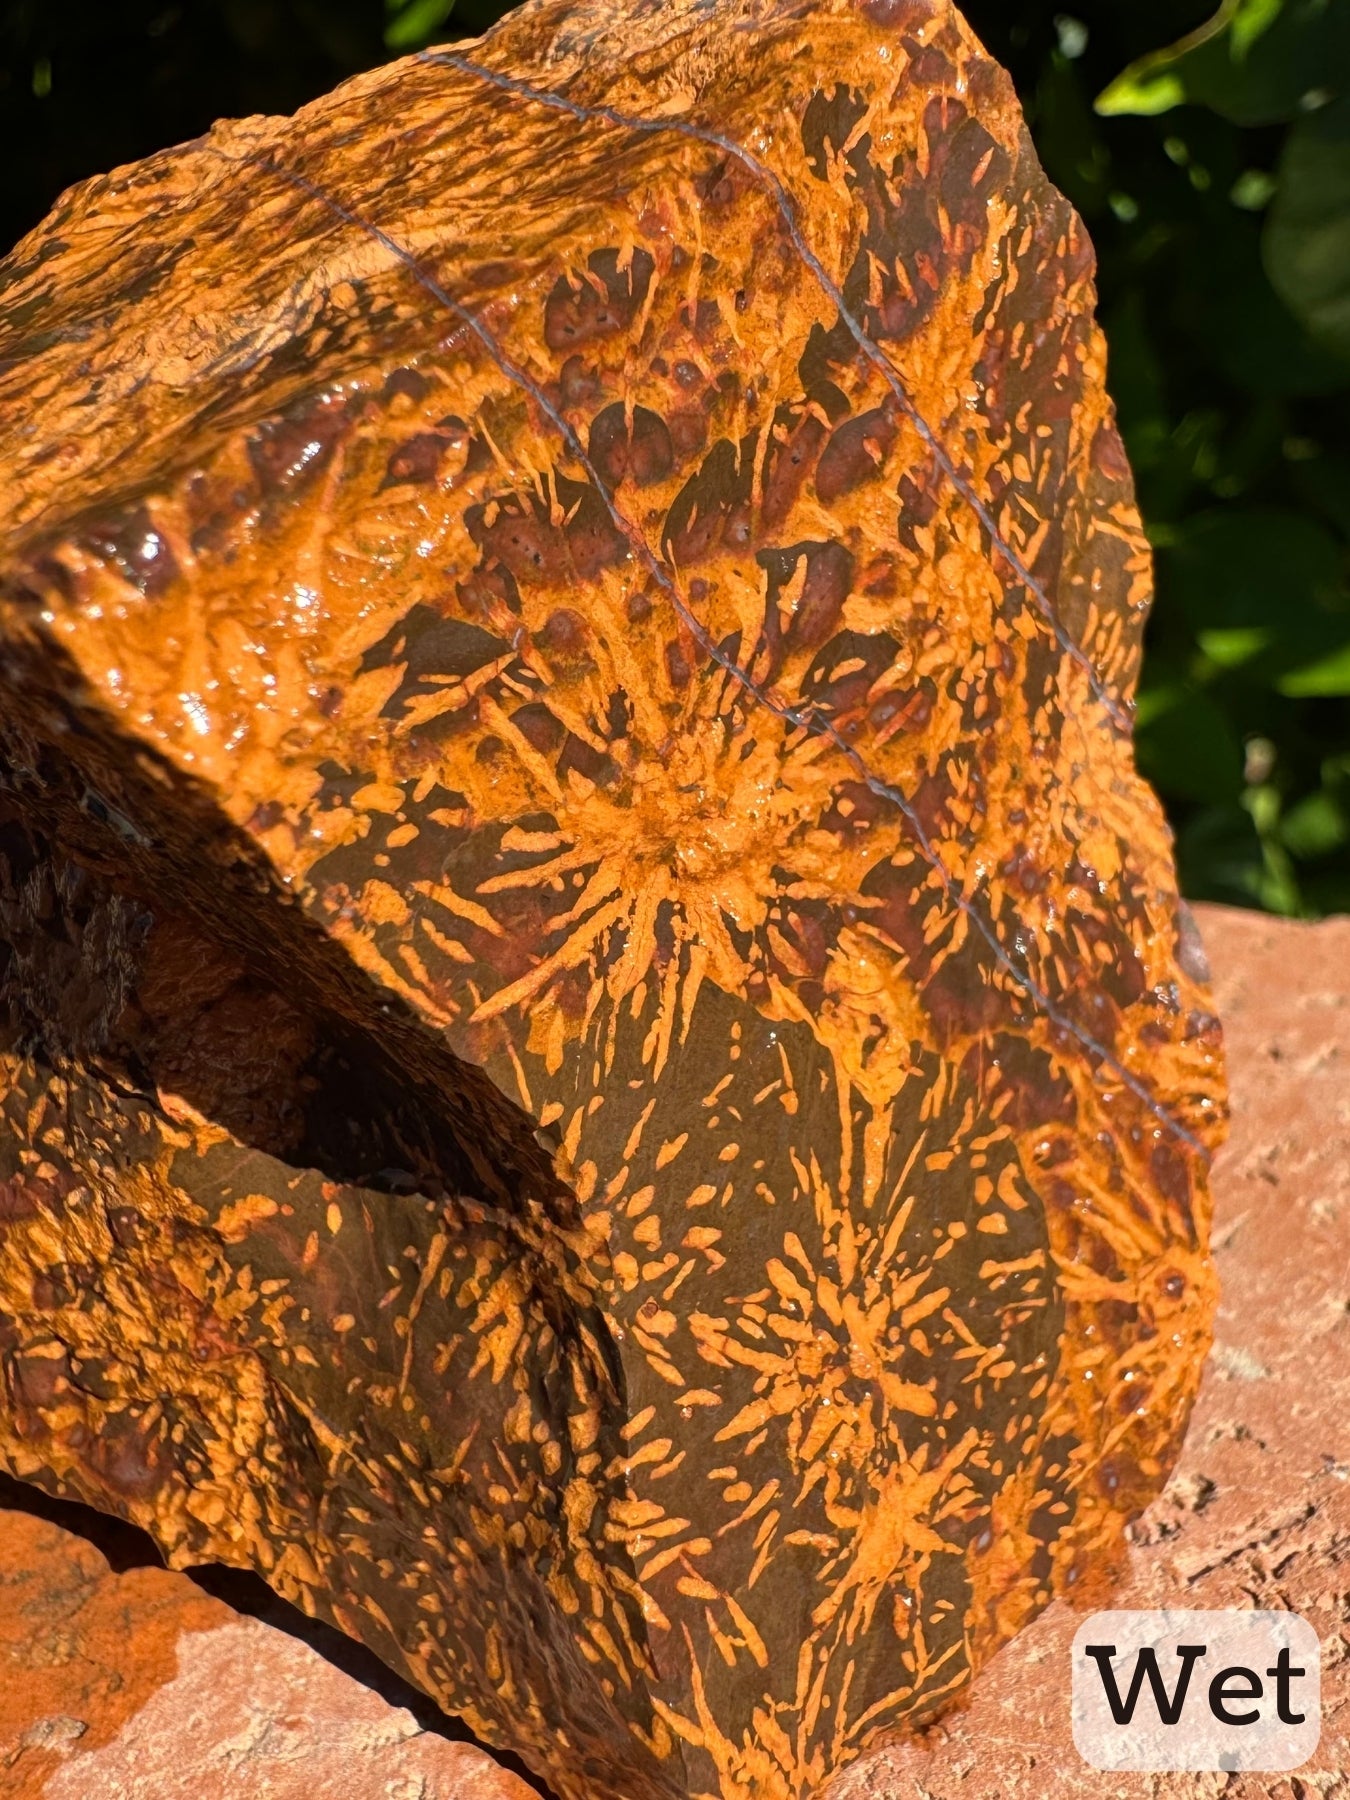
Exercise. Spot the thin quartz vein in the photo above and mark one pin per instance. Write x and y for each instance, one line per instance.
(958, 477)
(802, 719)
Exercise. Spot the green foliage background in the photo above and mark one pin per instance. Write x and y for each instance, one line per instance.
(1213, 169)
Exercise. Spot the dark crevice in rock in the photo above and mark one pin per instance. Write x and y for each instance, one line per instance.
(122, 1545)
(173, 1019)
(125, 1546)
(161, 842)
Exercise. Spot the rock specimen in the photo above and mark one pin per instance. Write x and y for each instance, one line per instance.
(605, 1079)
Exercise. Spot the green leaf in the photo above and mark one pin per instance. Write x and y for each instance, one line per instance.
(1278, 888)
(414, 22)
(1246, 566)
(1146, 88)
(1253, 190)
(1327, 677)
(1263, 590)
(1255, 62)
(1249, 21)
(1229, 649)
(1307, 239)
(1186, 746)
(1316, 826)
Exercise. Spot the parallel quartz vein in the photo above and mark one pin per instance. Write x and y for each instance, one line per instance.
(575, 889)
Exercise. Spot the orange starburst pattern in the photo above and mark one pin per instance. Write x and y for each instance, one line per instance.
(664, 625)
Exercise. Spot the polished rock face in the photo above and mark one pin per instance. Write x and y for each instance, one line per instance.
(607, 1081)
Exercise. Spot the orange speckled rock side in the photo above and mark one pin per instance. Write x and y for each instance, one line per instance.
(606, 1080)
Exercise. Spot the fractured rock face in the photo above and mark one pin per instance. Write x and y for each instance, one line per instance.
(605, 1076)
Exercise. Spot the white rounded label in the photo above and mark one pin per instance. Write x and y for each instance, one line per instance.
(1197, 1690)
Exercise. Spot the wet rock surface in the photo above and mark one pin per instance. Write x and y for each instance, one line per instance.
(1257, 1512)
(604, 1079)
